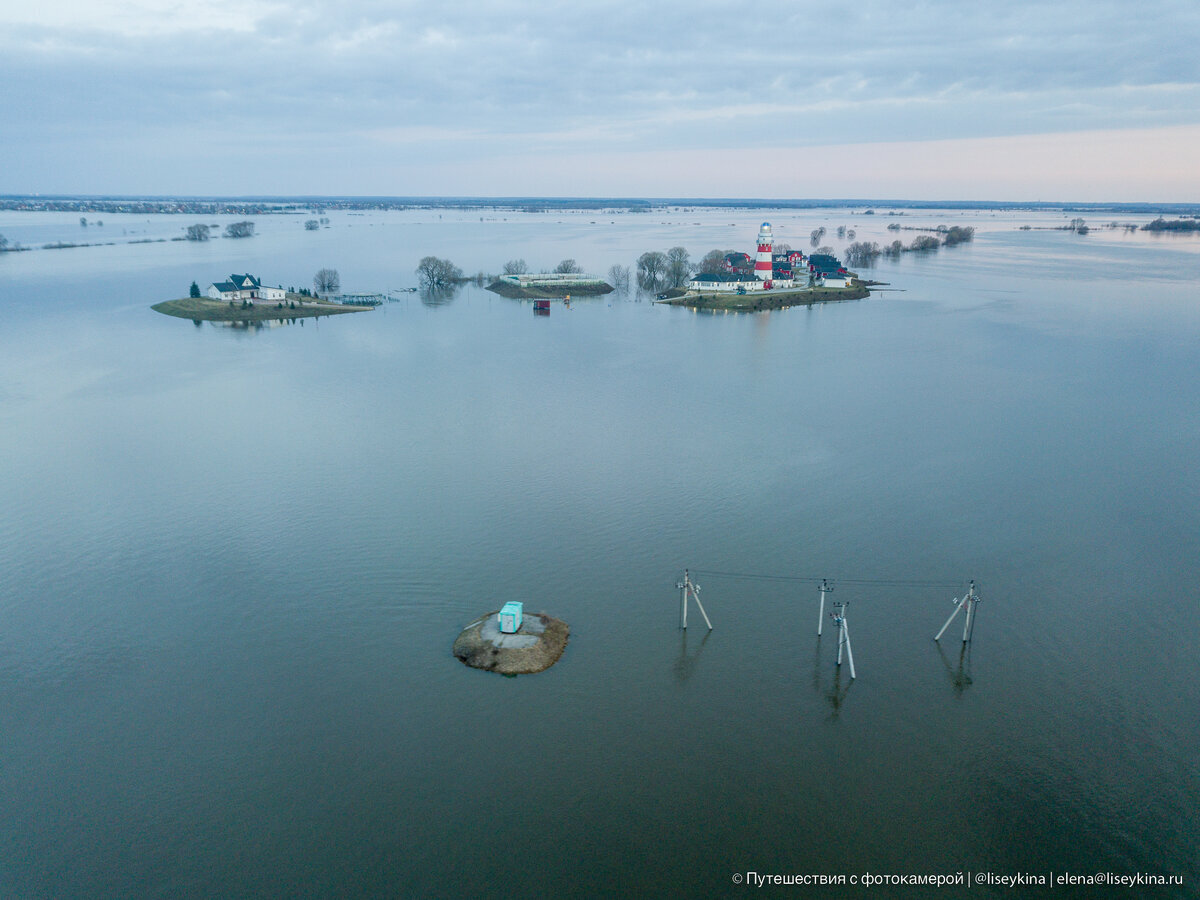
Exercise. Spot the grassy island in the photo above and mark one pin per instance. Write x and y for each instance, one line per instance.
(204, 309)
(759, 300)
(549, 291)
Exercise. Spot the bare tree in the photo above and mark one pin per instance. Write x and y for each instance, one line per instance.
(862, 253)
(618, 277)
(960, 234)
(782, 247)
(817, 234)
(3, 242)
(515, 267)
(713, 261)
(327, 281)
(650, 268)
(679, 267)
(568, 267)
(841, 231)
(435, 272)
(239, 230)
(197, 233)
(312, 225)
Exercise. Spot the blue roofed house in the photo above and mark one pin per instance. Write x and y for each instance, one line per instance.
(244, 287)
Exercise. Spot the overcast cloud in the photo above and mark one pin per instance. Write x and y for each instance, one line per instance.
(612, 99)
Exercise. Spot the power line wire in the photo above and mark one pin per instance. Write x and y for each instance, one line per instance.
(876, 582)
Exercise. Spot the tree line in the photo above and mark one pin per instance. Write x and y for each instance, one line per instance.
(232, 230)
(863, 253)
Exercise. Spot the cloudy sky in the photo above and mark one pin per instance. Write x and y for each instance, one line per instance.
(926, 99)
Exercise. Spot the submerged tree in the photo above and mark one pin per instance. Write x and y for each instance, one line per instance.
(958, 234)
(651, 266)
(862, 253)
(312, 225)
(239, 230)
(197, 232)
(618, 277)
(326, 281)
(435, 272)
(817, 234)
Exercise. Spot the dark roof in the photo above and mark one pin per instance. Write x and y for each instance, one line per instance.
(241, 280)
(718, 276)
(225, 287)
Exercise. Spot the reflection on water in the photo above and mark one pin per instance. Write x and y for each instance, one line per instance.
(685, 663)
(960, 671)
(838, 691)
(231, 677)
(439, 295)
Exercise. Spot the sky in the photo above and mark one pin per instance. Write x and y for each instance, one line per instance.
(1021, 100)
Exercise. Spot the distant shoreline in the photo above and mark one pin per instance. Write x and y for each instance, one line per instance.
(250, 205)
(205, 309)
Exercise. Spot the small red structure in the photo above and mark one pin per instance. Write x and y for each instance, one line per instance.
(541, 307)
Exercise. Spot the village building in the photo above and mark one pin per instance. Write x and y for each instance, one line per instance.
(237, 288)
(790, 269)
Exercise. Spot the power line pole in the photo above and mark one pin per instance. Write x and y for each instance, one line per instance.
(839, 618)
(685, 588)
(825, 586)
(968, 602)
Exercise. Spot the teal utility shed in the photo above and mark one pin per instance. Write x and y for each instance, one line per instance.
(511, 615)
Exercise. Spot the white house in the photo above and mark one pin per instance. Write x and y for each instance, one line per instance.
(832, 279)
(244, 287)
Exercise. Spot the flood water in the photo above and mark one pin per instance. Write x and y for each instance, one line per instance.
(233, 562)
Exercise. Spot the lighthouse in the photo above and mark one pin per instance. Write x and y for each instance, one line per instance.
(762, 262)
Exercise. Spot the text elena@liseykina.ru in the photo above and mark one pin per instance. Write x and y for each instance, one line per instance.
(990, 879)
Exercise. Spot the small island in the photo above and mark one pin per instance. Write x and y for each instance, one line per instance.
(753, 301)
(511, 643)
(205, 309)
(549, 286)
(774, 278)
(244, 299)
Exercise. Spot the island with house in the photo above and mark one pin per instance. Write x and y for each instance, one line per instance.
(770, 280)
(244, 298)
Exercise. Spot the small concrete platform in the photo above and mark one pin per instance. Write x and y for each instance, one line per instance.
(535, 647)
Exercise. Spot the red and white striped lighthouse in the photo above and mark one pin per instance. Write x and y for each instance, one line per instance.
(762, 262)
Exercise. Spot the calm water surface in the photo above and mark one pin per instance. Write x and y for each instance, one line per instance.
(232, 565)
